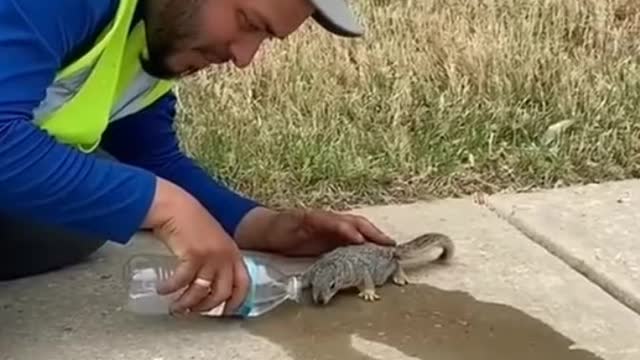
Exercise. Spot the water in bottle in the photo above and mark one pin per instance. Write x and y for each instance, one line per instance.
(268, 287)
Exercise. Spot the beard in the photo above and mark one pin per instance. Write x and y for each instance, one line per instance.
(157, 64)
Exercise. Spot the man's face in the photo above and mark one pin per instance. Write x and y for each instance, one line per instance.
(185, 36)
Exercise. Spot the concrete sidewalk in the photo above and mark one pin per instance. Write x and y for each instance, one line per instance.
(593, 228)
(551, 275)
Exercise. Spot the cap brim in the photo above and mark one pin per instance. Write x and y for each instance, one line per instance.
(336, 17)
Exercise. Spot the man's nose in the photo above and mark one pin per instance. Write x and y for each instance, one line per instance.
(245, 49)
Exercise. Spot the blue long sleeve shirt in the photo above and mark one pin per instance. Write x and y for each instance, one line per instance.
(51, 183)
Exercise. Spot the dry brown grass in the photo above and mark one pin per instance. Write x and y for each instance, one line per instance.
(442, 98)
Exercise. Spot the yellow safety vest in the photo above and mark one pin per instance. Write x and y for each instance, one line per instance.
(103, 85)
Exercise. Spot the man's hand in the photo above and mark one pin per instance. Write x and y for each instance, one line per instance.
(305, 232)
(210, 268)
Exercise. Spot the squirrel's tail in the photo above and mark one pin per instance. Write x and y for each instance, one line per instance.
(419, 248)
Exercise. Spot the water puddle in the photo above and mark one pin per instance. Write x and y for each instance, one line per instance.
(413, 322)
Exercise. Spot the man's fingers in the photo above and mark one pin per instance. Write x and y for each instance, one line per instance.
(220, 291)
(369, 230)
(240, 288)
(347, 230)
(197, 291)
(357, 229)
(182, 277)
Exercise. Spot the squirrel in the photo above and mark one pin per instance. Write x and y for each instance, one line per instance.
(367, 266)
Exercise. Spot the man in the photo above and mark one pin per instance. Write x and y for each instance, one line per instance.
(87, 81)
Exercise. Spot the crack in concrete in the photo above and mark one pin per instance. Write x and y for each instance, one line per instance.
(599, 279)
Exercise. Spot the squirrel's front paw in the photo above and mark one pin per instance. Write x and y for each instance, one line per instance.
(369, 295)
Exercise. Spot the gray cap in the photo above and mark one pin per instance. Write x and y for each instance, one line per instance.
(336, 17)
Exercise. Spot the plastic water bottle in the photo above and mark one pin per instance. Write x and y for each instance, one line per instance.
(268, 286)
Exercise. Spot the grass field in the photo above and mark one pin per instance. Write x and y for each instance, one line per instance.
(441, 98)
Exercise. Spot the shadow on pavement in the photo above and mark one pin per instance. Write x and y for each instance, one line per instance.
(413, 322)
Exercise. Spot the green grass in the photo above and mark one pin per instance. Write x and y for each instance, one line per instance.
(442, 98)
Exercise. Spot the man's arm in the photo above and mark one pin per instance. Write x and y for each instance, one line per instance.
(41, 179)
(147, 139)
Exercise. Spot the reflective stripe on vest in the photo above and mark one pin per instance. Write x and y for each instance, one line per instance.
(104, 85)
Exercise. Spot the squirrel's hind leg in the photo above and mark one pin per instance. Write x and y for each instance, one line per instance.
(400, 277)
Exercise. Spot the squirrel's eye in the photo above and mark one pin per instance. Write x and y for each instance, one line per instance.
(332, 285)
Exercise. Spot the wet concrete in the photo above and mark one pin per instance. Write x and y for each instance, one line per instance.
(412, 322)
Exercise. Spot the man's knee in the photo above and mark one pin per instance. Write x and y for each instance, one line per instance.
(28, 249)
